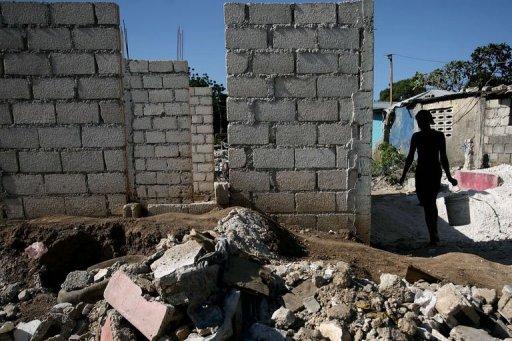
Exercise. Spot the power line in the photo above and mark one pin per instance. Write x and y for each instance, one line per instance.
(422, 59)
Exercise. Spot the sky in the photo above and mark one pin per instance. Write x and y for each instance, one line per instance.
(440, 30)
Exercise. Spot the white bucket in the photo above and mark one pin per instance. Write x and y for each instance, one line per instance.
(457, 208)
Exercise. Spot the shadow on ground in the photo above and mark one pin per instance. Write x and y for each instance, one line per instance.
(398, 226)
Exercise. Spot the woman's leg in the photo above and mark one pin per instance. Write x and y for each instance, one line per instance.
(431, 213)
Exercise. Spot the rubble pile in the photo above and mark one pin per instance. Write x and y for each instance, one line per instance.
(235, 282)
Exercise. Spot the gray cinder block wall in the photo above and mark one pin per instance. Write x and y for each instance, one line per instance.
(61, 122)
(300, 80)
(201, 112)
(497, 140)
(158, 94)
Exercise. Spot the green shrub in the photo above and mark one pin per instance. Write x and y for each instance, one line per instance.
(389, 163)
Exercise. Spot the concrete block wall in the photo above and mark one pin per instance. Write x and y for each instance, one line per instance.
(300, 81)
(498, 130)
(201, 113)
(61, 120)
(157, 93)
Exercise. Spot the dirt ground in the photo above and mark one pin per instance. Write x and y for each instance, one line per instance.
(115, 236)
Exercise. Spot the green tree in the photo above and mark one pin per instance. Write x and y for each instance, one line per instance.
(405, 88)
(491, 65)
(453, 76)
(218, 101)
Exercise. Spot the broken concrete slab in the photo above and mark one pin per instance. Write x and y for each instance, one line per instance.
(333, 331)
(36, 250)
(221, 190)
(465, 333)
(106, 330)
(178, 256)
(454, 307)
(90, 294)
(294, 300)
(25, 330)
(150, 318)
(188, 285)
(505, 306)
(311, 304)
(244, 273)
(283, 318)
(488, 296)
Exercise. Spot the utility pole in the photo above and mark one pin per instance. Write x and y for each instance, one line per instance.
(390, 57)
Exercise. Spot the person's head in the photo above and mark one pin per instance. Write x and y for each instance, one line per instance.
(424, 119)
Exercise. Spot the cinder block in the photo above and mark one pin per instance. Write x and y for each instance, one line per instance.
(181, 95)
(14, 88)
(246, 38)
(270, 14)
(23, 184)
(140, 96)
(13, 208)
(349, 63)
(175, 81)
(11, 38)
(246, 134)
(135, 82)
(273, 63)
(47, 206)
(82, 161)
(275, 111)
(315, 62)
(99, 88)
(107, 13)
(315, 202)
(238, 111)
(176, 109)
(295, 180)
(249, 181)
(145, 178)
(138, 65)
(107, 183)
(273, 158)
(109, 63)
(334, 222)
(342, 157)
(247, 87)
(39, 162)
(72, 13)
(315, 14)
(335, 133)
(33, 113)
(342, 201)
(234, 13)
(275, 202)
(237, 158)
(54, 88)
(177, 137)
(159, 96)
(294, 38)
(296, 135)
(8, 161)
(295, 87)
(96, 38)
(155, 136)
(25, 13)
(337, 86)
(161, 66)
(338, 38)
(115, 203)
(111, 112)
(26, 64)
(103, 136)
(49, 38)
(77, 112)
(180, 66)
(72, 64)
(5, 114)
(332, 180)
(164, 123)
(350, 13)
(179, 164)
(315, 158)
(237, 63)
(167, 151)
(140, 123)
(152, 81)
(346, 110)
(89, 206)
(317, 110)
(366, 81)
(156, 164)
(59, 137)
(19, 137)
(65, 183)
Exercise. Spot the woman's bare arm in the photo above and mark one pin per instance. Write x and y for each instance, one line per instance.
(409, 159)
(444, 160)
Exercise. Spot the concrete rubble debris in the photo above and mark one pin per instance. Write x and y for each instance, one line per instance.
(223, 285)
(36, 250)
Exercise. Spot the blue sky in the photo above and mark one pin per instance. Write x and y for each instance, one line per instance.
(441, 30)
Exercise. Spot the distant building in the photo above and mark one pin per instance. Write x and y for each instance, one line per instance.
(483, 115)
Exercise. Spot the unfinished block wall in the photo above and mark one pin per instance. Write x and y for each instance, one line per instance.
(158, 97)
(300, 80)
(498, 130)
(201, 112)
(61, 121)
